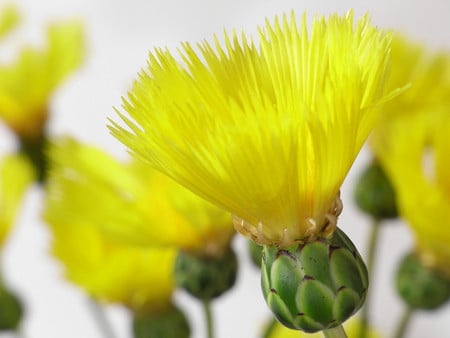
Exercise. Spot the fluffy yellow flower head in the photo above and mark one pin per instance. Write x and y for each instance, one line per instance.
(16, 174)
(131, 203)
(415, 153)
(27, 83)
(351, 327)
(266, 130)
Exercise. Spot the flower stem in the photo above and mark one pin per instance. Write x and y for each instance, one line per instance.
(335, 332)
(372, 246)
(208, 318)
(403, 323)
(100, 317)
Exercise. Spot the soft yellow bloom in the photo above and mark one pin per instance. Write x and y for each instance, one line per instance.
(351, 327)
(9, 18)
(140, 278)
(415, 153)
(428, 74)
(266, 130)
(412, 142)
(131, 202)
(27, 84)
(16, 174)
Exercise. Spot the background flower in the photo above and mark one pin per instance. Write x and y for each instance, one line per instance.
(132, 203)
(28, 82)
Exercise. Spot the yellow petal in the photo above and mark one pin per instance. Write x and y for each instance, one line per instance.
(141, 278)
(16, 174)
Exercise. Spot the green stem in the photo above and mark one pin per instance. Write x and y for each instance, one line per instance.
(208, 318)
(102, 322)
(373, 240)
(269, 328)
(403, 323)
(335, 332)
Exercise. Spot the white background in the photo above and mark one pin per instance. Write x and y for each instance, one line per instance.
(119, 35)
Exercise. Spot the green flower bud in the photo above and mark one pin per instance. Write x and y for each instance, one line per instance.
(11, 310)
(419, 286)
(206, 277)
(168, 324)
(255, 251)
(314, 286)
(374, 193)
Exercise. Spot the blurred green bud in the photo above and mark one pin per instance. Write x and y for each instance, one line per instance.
(11, 310)
(419, 286)
(168, 324)
(314, 286)
(206, 277)
(374, 193)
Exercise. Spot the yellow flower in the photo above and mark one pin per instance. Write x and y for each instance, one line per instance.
(140, 278)
(16, 174)
(9, 18)
(266, 130)
(412, 143)
(415, 153)
(131, 202)
(27, 84)
(428, 74)
(351, 327)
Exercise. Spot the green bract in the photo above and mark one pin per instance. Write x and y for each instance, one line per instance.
(314, 286)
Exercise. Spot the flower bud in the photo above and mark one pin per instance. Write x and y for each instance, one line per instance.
(206, 277)
(316, 285)
(374, 193)
(11, 310)
(168, 324)
(419, 286)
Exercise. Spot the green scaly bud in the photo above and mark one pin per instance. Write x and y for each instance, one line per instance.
(419, 286)
(374, 193)
(168, 324)
(314, 286)
(206, 277)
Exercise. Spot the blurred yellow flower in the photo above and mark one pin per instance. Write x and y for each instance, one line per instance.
(9, 18)
(266, 130)
(27, 84)
(412, 143)
(428, 74)
(16, 174)
(137, 277)
(415, 153)
(351, 327)
(131, 203)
